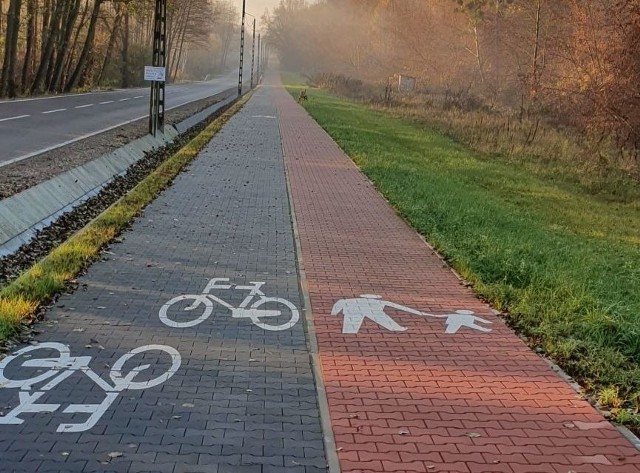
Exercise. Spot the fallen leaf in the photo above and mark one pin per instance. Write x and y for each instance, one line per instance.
(473, 435)
(115, 454)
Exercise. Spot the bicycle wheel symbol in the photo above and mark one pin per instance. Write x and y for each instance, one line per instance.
(271, 301)
(199, 301)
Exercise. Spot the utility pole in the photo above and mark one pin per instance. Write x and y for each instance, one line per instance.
(253, 52)
(157, 96)
(244, 11)
(259, 59)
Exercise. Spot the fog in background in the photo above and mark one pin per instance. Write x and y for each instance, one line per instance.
(572, 63)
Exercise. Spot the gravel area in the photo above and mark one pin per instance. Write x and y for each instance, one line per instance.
(24, 174)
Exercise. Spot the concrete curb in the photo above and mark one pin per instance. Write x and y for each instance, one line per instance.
(331, 452)
(24, 214)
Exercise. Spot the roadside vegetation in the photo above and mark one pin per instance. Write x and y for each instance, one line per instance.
(21, 299)
(554, 246)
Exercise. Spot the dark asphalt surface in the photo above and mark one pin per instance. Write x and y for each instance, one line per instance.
(32, 126)
(230, 395)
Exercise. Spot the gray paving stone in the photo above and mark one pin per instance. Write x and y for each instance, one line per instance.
(243, 399)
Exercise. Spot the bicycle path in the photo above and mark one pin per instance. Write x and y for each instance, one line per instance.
(226, 395)
(420, 375)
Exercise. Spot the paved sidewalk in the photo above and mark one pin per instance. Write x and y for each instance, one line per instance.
(415, 381)
(232, 394)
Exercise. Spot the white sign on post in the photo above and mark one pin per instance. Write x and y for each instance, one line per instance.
(157, 74)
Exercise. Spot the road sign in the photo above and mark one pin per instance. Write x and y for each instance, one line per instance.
(156, 74)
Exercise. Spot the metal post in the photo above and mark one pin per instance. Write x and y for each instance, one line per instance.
(244, 12)
(253, 52)
(157, 96)
(259, 59)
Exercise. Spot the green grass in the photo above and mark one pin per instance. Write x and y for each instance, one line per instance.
(562, 262)
(20, 299)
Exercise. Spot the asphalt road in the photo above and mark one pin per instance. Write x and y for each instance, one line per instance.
(29, 127)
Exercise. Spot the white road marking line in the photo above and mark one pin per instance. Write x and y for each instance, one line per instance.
(124, 100)
(89, 135)
(14, 118)
(107, 102)
(139, 97)
(54, 111)
(85, 106)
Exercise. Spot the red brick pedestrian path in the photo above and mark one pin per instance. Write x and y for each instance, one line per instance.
(422, 400)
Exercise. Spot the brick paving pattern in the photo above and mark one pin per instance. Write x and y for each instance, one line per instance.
(243, 399)
(422, 400)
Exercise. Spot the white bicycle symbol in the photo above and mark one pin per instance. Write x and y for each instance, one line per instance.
(61, 367)
(246, 309)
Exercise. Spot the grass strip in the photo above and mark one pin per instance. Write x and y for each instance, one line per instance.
(20, 300)
(563, 264)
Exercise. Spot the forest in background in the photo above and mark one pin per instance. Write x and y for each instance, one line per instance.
(572, 64)
(65, 45)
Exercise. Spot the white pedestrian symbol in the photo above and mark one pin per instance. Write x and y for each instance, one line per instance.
(371, 306)
(49, 372)
(463, 318)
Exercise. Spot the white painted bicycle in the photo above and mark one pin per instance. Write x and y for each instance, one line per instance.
(53, 370)
(255, 307)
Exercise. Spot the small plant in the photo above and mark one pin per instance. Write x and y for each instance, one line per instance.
(610, 397)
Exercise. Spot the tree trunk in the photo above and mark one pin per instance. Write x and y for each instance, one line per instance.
(88, 44)
(111, 45)
(27, 67)
(7, 77)
(48, 48)
(125, 52)
(63, 47)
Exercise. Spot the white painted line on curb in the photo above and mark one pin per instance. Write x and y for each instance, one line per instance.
(54, 111)
(14, 118)
(85, 106)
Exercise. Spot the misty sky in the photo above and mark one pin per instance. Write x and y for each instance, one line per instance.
(256, 7)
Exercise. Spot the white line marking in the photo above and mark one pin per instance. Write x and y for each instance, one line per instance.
(54, 111)
(14, 118)
(107, 102)
(85, 106)
(139, 97)
(124, 100)
(94, 133)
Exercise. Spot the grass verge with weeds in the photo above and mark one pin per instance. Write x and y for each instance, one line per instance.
(562, 263)
(20, 300)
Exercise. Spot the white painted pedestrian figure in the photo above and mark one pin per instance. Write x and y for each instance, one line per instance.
(370, 306)
(464, 318)
(54, 370)
(250, 308)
